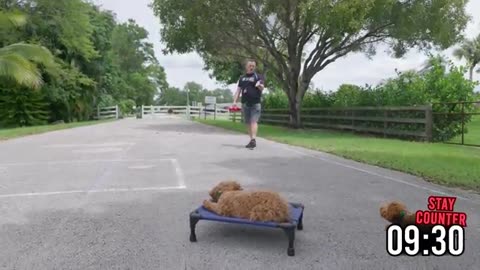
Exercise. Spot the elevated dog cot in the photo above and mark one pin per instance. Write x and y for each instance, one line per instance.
(296, 222)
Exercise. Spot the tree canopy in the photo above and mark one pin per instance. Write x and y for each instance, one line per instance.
(19, 61)
(95, 60)
(470, 50)
(296, 39)
(196, 93)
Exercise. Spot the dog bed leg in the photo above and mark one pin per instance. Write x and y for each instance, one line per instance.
(300, 223)
(291, 239)
(194, 218)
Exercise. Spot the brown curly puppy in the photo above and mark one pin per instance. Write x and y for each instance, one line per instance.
(396, 213)
(229, 199)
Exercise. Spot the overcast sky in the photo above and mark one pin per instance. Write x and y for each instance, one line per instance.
(354, 68)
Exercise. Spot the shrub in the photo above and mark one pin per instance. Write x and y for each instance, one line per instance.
(347, 95)
(440, 82)
(443, 87)
(22, 107)
(275, 100)
(126, 107)
(106, 101)
(408, 89)
(317, 99)
(438, 85)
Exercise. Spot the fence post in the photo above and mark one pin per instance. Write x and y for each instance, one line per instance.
(215, 111)
(463, 123)
(143, 111)
(188, 111)
(353, 119)
(385, 115)
(98, 112)
(152, 112)
(116, 111)
(429, 123)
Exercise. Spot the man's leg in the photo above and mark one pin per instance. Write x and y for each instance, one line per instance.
(252, 144)
(253, 130)
(247, 116)
(254, 117)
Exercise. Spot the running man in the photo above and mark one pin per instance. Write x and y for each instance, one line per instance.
(250, 87)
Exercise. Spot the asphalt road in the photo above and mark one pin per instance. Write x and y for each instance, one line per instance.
(118, 195)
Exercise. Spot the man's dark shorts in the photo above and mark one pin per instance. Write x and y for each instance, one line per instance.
(251, 113)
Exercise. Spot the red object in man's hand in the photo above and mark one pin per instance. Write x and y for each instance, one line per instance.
(234, 108)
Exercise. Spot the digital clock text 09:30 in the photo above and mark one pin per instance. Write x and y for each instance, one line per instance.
(412, 241)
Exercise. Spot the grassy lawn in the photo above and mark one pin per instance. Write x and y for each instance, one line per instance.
(473, 132)
(10, 133)
(446, 164)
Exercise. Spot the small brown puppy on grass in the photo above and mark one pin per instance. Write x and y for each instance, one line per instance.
(229, 199)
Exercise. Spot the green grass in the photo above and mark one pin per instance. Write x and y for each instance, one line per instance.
(472, 136)
(446, 164)
(10, 133)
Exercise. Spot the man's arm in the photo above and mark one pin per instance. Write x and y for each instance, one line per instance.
(238, 92)
(261, 83)
(260, 86)
(237, 95)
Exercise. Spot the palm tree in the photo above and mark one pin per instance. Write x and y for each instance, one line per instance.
(470, 50)
(432, 61)
(20, 61)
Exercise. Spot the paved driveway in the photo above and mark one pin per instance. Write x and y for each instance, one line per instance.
(117, 196)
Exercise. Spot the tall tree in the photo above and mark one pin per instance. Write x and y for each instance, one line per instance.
(194, 92)
(296, 39)
(63, 26)
(172, 96)
(470, 50)
(20, 61)
(130, 41)
(95, 59)
(135, 59)
(223, 95)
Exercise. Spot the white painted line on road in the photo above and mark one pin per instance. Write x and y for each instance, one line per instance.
(97, 150)
(59, 162)
(111, 190)
(90, 145)
(377, 174)
(141, 167)
(179, 172)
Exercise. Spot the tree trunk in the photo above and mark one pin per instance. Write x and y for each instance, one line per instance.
(471, 73)
(295, 99)
(295, 113)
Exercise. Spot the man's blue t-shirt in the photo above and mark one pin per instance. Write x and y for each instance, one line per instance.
(251, 94)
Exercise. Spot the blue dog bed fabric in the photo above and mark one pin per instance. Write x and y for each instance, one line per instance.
(295, 214)
(296, 222)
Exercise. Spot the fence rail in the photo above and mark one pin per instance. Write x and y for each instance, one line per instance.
(413, 122)
(188, 111)
(236, 117)
(467, 113)
(153, 111)
(108, 112)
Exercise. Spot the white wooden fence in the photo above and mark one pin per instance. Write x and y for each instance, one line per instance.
(217, 112)
(111, 112)
(188, 111)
